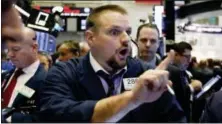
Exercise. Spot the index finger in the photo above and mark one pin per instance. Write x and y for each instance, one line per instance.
(164, 64)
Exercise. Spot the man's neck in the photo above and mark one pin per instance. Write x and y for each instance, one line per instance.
(96, 63)
(31, 62)
(147, 59)
(151, 59)
(178, 66)
(103, 65)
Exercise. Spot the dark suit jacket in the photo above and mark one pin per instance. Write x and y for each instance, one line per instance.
(218, 71)
(213, 109)
(22, 101)
(181, 88)
(72, 89)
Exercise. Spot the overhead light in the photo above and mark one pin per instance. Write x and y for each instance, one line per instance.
(57, 9)
(87, 10)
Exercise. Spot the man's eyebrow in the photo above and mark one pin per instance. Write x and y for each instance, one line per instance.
(118, 27)
(16, 47)
(7, 38)
(115, 27)
(144, 38)
(129, 28)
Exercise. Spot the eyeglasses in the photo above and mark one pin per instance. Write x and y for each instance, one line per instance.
(187, 56)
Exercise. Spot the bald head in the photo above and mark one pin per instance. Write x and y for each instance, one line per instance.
(29, 35)
(23, 52)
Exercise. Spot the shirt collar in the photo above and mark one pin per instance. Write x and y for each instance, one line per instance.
(97, 67)
(31, 68)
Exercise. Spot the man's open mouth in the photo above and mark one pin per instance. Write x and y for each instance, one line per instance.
(123, 53)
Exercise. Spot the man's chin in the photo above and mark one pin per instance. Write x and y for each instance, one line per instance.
(15, 63)
(145, 58)
(116, 65)
(122, 64)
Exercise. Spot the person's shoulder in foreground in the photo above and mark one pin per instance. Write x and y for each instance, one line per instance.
(213, 109)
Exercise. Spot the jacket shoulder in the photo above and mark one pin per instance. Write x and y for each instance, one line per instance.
(66, 70)
(173, 68)
(138, 63)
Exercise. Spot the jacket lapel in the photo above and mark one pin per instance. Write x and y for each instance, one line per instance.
(90, 80)
(33, 84)
(93, 84)
(134, 70)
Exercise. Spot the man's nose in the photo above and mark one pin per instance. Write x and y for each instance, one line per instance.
(10, 54)
(148, 43)
(125, 38)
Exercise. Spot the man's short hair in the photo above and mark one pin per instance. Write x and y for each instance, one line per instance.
(147, 25)
(6, 4)
(73, 46)
(210, 62)
(92, 20)
(49, 58)
(181, 47)
(57, 46)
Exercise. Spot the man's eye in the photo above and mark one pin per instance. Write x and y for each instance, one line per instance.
(153, 41)
(143, 40)
(129, 32)
(15, 49)
(115, 32)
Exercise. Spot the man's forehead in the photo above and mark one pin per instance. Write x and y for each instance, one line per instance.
(113, 19)
(146, 32)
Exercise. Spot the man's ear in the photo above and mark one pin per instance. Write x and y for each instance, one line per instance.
(89, 36)
(35, 47)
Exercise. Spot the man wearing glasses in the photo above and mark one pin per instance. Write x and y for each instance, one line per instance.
(182, 85)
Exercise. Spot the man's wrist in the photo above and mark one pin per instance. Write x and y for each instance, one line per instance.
(133, 102)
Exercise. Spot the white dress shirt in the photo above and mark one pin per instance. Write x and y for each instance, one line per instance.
(22, 79)
(117, 81)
